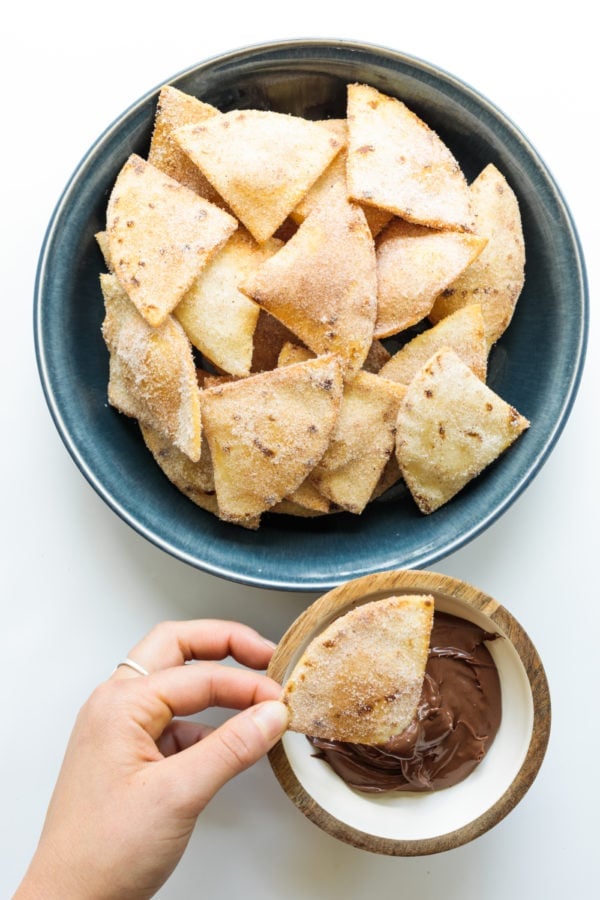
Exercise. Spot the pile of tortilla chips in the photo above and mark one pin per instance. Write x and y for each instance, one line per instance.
(258, 263)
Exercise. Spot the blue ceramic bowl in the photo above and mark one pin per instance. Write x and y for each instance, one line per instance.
(536, 366)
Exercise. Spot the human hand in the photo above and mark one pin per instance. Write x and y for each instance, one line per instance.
(135, 776)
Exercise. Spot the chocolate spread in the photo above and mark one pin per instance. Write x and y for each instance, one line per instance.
(456, 721)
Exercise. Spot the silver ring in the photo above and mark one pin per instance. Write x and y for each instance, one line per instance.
(133, 665)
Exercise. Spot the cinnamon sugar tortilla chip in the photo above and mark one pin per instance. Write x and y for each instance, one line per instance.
(360, 679)
(414, 264)
(194, 479)
(291, 508)
(119, 388)
(396, 162)
(372, 224)
(261, 162)
(309, 498)
(160, 236)
(450, 427)
(462, 331)
(267, 432)
(332, 177)
(362, 442)
(322, 283)
(218, 319)
(496, 278)
(306, 496)
(152, 372)
(174, 109)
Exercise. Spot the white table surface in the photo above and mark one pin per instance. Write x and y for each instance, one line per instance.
(79, 587)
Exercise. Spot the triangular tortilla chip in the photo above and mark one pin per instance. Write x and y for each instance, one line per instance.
(291, 508)
(322, 283)
(462, 331)
(396, 161)
(362, 442)
(360, 679)
(309, 498)
(268, 431)
(496, 278)
(194, 479)
(174, 109)
(218, 319)
(332, 177)
(120, 385)
(450, 427)
(261, 162)
(160, 236)
(152, 371)
(413, 265)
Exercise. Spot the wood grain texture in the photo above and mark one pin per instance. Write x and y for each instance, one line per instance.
(472, 603)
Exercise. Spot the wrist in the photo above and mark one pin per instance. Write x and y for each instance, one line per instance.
(49, 878)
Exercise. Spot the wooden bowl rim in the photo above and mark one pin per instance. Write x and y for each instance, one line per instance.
(360, 590)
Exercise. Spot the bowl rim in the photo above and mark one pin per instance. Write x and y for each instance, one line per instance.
(232, 571)
(372, 587)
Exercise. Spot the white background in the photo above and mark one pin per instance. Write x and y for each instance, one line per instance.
(78, 587)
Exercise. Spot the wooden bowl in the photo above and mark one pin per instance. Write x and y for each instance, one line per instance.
(414, 824)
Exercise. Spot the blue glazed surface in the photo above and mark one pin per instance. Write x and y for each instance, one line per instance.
(536, 366)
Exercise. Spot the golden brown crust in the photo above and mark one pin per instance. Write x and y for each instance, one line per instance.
(450, 427)
(194, 479)
(267, 432)
(413, 265)
(218, 319)
(261, 162)
(152, 372)
(160, 236)
(322, 283)
(396, 162)
(462, 331)
(362, 442)
(175, 109)
(495, 279)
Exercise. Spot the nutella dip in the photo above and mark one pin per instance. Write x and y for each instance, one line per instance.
(456, 721)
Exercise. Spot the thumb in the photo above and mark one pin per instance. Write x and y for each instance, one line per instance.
(229, 749)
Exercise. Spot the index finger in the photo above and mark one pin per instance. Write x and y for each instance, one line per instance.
(186, 690)
(173, 643)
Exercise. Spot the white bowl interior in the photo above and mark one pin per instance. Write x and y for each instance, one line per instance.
(407, 816)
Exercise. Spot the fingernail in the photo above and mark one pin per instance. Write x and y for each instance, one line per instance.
(272, 718)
